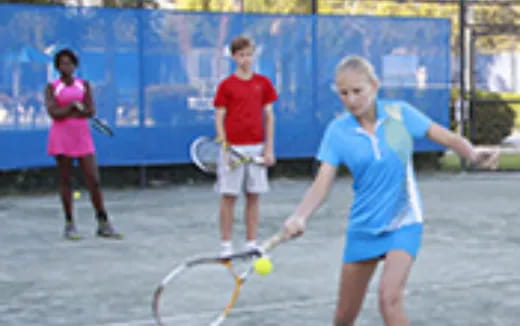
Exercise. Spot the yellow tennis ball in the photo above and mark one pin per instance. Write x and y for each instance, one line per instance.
(77, 195)
(263, 266)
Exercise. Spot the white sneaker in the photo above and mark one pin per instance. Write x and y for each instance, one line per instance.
(225, 250)
(251, 246)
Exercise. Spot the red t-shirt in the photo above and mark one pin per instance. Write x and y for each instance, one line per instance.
(244, 102)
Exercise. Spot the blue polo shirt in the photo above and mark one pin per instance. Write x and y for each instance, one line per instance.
(385, 191)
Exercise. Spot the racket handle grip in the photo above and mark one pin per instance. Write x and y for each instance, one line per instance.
(222, 142)
(79, 105)
(258, 160)
(273, 242)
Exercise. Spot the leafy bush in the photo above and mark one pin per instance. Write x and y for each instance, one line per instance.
(492, 121)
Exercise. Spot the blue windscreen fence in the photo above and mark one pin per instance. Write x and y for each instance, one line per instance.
(154, 74)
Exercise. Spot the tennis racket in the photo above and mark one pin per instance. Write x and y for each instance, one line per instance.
(96, 123)
(205, 282)
(489, 157)
(205, 152)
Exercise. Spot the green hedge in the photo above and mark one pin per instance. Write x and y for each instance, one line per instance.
(514, 106)
(492, 122)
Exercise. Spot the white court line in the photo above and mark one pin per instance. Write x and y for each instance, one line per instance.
(299, 303)
(280, 305)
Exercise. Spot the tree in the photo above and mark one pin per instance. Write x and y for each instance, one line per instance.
(257, 6)
(490, 13)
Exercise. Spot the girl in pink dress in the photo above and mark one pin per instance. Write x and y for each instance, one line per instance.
(69, 102)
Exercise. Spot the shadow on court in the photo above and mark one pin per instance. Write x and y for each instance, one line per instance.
(468, 272)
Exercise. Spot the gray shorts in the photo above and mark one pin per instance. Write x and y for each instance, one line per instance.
(249, 177)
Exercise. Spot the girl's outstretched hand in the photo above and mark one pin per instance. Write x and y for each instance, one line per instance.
(486, 158)
(293, 227)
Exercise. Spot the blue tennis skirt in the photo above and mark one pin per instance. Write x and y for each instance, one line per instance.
(363, 246)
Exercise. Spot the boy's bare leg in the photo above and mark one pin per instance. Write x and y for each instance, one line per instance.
(251, 212)
(227, 206)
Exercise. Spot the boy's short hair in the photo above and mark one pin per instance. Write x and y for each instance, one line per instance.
(239, 43)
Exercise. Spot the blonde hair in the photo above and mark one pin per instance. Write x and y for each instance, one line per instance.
(358, 64)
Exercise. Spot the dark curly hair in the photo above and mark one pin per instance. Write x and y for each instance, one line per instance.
(65, 53)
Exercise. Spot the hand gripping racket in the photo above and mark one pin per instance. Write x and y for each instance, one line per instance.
(96, 123)
(206, 153)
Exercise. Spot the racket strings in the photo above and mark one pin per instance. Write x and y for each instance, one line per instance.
(208, 154)
(209, 286)
(239, 279)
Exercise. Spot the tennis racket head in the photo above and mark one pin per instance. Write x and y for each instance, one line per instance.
(205, 153)
(184, 283)
(101, 126)
(196, 292)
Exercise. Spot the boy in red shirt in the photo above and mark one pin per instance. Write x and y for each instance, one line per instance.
(244, 119)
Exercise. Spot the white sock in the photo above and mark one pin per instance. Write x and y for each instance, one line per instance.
(226, 245)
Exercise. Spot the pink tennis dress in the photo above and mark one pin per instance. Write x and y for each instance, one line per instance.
(70, 136)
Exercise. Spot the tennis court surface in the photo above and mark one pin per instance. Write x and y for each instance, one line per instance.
(468, 272)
